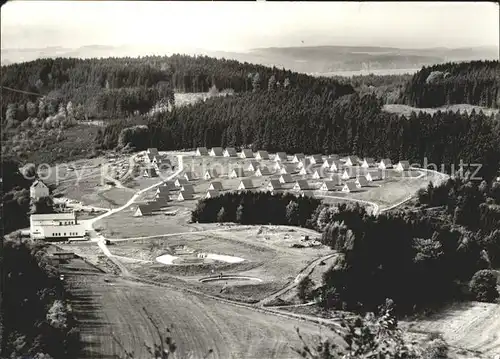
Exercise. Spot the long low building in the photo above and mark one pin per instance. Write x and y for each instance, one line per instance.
(56, 226)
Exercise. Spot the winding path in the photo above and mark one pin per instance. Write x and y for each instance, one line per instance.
(306, 271)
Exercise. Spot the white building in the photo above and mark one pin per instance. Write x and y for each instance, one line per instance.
(56, 226)
(317, 175)
(273, 185)
(287, 169)
(230, 152)
(304, 171)
(237, 172)
(189, 176)
(336, 166)
(374, 176)
(262, 171)
(216, 152)
(305, 162)
(349, 187)
(245, 184)
(180, 181)
(187, 188)
(327, 186)
(301, 185)
(402, 166)
(185, 196)
(368, 162)
(286, 178)
(152, 151)
(253, 166)
(143, 210)
(215, 186)
(327, 163)
(150, 172)
(277, 166)
(298, 157)
(281, 156)
(346, 175)
(211, 193)
(209, 174)
(201, 151)
(38, 190)
(385, 164)
(246, 153)
(316, 159)
(362, 181)
(352, 161)
(262, 155)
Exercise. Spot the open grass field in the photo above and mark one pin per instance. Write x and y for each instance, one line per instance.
(407, 110)
(392, 189)
(116, 197)
(125, 315)
(124, 225)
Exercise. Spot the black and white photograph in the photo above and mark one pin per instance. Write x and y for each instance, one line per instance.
(250, 180)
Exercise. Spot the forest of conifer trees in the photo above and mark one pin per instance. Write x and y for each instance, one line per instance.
(475, 83)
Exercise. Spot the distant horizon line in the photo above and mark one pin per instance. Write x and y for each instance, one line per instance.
(249, 49)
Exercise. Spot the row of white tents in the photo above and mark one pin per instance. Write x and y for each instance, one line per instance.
(186, 190)
(331, 161)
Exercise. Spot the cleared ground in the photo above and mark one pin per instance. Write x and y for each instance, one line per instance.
(474, 326)
(112, 319)
(267, 252)
(407, 110)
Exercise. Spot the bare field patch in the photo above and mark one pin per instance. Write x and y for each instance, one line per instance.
(473, 326)
(407, 110)
(267, 252)
(112, 319)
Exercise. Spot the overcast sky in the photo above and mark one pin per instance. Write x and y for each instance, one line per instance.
(237, 26)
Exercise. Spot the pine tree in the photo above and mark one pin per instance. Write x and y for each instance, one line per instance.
(271, 85)
(221, 216)
(292, 213)
(239, 213)
(256, 82)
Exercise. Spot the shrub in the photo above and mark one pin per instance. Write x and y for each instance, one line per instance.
(304, 289)
(56, 316)
(436, 349)
(483, 286)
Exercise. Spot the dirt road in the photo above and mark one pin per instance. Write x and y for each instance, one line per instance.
(302, 274)
(111, 316)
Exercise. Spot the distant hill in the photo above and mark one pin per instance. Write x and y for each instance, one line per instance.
(120, 86)
(313, 60)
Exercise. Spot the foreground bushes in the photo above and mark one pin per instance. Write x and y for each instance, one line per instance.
(37, 323)
(483, 286)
